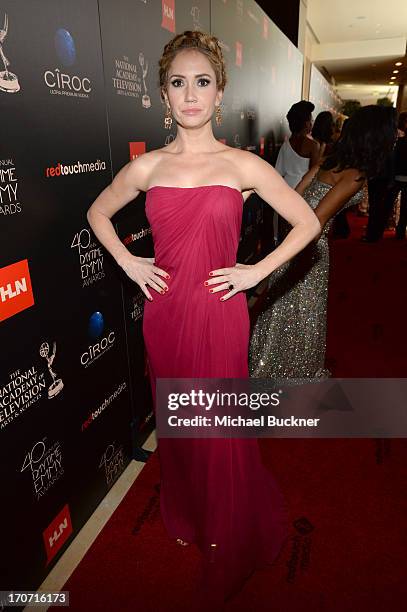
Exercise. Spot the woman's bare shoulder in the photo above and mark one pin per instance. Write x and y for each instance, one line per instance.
(141, 167)
(150, 158)
(241, 156)
(252, 169)
(350, 175)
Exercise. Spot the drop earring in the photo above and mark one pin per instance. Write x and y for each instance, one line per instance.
(218, 115)
(168, 119)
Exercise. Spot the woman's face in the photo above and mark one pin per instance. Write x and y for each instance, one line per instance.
(191, 89)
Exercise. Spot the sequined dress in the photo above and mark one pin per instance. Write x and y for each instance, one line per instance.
(289, 337)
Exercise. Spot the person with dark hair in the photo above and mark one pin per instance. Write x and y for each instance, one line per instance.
(322, 131)
(340, 225)
(400, 171)
(300, 152)
(383, 190)
(288, 340)
(382, 193)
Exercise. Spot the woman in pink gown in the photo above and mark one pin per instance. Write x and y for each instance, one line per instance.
(215, 492)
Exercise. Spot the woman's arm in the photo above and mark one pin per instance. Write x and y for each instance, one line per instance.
(306, 179)
(257, 174)
(288, 204)
(322, 150)
(336, 198)
(126, 186)
(280, 165)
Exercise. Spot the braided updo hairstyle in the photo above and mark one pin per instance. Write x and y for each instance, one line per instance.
(199, 41)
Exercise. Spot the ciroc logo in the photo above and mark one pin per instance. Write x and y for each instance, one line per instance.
(102, 341)
(63, 83)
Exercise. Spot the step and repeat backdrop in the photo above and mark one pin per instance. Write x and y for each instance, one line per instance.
(323, 94)
(79, 98)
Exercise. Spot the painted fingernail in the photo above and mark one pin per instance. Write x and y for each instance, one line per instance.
(206, 283)
(211, 290)
(162, 291)
(210, 273)
(167, 276)
(165, 288)
(221, 299)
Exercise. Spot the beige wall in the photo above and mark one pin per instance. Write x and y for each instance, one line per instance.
(402, 98)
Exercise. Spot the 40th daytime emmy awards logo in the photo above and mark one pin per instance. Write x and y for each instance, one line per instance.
(8, 80)
(57, 385)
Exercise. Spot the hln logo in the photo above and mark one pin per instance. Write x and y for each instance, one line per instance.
(15, 289)
(136, 149)
(57, 533)
(168, 15)
(168, 11)
(53, 538)
(12, 291)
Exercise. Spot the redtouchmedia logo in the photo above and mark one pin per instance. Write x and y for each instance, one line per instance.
(15, 289)
(77, 168)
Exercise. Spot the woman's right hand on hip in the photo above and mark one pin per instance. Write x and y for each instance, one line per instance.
(142, 271)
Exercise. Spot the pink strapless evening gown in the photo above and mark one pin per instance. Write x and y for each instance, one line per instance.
(213, 491)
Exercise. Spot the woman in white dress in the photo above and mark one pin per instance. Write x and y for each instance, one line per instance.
(300, 152)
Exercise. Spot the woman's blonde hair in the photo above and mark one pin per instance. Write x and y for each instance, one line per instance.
(199, 41)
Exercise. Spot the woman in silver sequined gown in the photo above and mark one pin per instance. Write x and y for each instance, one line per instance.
(288, 340)
(289, 337)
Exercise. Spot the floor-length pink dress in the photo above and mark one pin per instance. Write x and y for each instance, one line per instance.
(213, 490)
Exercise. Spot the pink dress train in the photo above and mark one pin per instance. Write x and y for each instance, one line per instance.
(213, 491)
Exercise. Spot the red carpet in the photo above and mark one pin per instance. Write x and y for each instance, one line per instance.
(347, 550)
(367, 334)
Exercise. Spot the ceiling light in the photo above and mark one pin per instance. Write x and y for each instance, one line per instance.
(392, 78)
(398, 64)
(395, 71)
